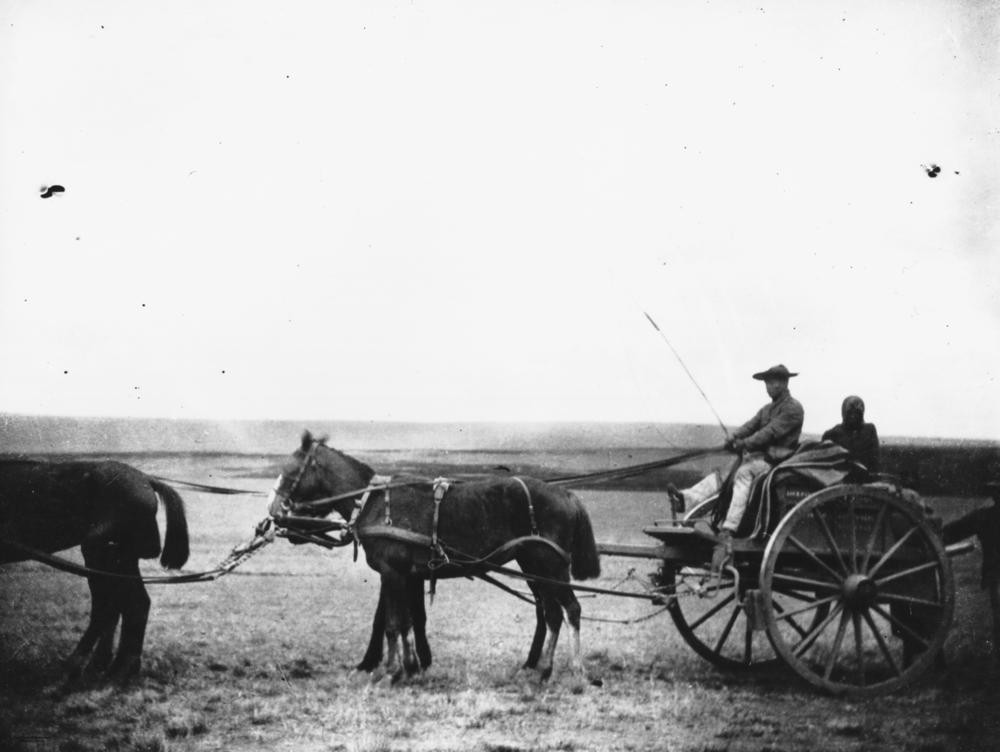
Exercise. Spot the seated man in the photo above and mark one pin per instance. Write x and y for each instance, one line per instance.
(769, 437)
(856, 436)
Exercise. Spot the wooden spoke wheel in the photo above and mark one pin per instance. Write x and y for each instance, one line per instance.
(872, 564)
(716, 624)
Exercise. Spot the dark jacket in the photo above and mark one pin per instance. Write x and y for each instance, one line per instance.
(861, 442)
(775, 429)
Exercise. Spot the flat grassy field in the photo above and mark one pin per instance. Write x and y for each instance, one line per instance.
(262, 659)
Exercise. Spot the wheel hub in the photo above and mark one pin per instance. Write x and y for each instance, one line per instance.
(859, 591)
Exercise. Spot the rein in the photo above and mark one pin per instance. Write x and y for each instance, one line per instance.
(619, 473)
(632, 470)
(263, 535)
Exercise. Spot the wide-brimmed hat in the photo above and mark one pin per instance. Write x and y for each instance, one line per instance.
(774, 372)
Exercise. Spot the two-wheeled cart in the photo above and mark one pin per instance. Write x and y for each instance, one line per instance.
(850, 586)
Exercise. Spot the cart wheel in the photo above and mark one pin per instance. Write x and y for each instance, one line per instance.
(874, 562)
(716, 625)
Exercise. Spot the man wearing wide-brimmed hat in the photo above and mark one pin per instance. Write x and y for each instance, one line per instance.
(769, 437)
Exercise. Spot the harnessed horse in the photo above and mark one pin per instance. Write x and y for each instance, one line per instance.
(414, 529)
(109, 510)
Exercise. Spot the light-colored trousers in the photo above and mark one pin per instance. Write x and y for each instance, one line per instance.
(703, 489)
(752, 466)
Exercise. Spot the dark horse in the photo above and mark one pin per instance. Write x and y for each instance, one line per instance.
(109, 510)
(476, 518)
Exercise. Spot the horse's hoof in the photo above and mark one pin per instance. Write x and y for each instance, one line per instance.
(73, 667)
(124, 670)
(98, 666)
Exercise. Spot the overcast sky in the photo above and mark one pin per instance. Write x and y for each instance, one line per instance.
(459, 210)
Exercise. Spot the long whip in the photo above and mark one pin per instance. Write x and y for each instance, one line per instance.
(688, 372)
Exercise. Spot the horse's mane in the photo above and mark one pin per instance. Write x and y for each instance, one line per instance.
(355, 464)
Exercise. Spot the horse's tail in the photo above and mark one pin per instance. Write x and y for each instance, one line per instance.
(586, 561)
(175, 540)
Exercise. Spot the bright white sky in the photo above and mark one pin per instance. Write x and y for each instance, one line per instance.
(458, 210)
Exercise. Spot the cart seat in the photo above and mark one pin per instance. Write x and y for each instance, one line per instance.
(814, 466)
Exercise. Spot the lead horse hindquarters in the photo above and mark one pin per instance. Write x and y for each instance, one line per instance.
(109, 510)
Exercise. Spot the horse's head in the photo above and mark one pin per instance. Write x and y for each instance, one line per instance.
(315, 472)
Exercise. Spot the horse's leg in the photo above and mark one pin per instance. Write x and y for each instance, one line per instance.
(397, 626)
(994, 588)
(569, 603)
(103, 607)
(419, 616)
(535, 651)
(373, 656)
(134, 602)
(104, 651)
(553, 620)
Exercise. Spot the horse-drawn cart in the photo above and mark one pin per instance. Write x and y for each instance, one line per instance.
(850, 586)
(840, 576)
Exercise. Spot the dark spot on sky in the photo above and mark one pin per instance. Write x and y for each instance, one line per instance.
(223, 370)
(47, 192)
(65, 371)
(932, 171)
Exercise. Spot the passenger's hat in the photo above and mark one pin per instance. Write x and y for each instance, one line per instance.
(774, 372)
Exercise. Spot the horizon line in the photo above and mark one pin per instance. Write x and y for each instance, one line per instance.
(496, 422)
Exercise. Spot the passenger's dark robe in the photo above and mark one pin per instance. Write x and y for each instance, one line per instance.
(861, 442)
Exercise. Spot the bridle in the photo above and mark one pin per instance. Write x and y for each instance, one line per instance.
(287, 503)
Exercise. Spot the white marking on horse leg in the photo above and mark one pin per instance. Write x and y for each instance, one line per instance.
(548, 652)
(410, 662)
(577, 659)
(392, 657)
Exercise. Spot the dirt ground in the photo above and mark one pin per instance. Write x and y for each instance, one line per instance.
(262, 660)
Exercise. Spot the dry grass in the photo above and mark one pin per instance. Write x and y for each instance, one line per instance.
(262, 661)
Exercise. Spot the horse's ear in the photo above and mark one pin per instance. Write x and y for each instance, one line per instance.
(307, 440)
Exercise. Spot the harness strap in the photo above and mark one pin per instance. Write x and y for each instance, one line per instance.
(531, 506)
(376, 483)
(441, 486)
(388, 513)
(263, 535)
(419, 539)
